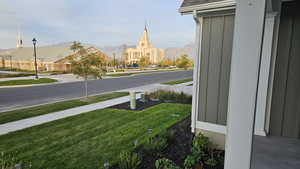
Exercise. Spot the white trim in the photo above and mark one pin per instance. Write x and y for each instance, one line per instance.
(263, 87)
(245, 65)
(260, 133)
(206, 6)
(211, 127)
(196, 76)
(272, 69)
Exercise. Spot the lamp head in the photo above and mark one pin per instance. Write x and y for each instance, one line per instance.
(34, 41)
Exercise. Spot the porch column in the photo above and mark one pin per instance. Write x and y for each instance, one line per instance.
(246, 56)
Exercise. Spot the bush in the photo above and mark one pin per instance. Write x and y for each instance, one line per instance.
(166, 95)
(165, 163)
(191, 161)
(129, 160)
(201, 141)
(156, 146)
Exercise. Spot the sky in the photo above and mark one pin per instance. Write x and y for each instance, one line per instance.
(98, 22)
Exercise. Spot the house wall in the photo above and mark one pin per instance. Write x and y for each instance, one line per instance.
(216, 50)
(29, 65)
(285, 112)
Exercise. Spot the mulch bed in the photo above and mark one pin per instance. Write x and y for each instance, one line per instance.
(177, 150)
(139, 105)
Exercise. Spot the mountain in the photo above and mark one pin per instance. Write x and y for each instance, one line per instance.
(171, 53)
(174, 53)
(118, 50)
(109, 50)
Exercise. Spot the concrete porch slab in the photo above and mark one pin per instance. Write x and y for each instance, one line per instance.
(275, 153)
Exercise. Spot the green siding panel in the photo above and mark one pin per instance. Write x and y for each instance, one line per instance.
(285, 112)
(215, 59)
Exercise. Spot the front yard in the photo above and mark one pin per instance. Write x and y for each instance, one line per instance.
(20, 114)
(91, 139)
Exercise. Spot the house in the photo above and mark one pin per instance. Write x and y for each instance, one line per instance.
(144, 49)
(49, 58)
(246, 79)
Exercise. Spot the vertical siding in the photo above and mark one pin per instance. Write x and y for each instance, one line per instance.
(226, 65)
(285, 111)
(215, 68)
(204, 68)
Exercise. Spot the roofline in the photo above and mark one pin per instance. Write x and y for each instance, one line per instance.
(224, 4)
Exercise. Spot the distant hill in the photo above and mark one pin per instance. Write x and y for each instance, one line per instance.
(171, 53)
(177, 52)
(109, 50)
(118, 50)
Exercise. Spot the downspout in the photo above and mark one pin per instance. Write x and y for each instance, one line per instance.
(196, 75)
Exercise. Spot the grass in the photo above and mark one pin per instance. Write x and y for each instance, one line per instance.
(27, 82)
(54, 107)
(121, 74)
(178, 81)
(91, 139)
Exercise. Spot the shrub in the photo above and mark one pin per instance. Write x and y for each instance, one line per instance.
(129, 160)
(167, 95)
(165, 163)
(156, 146)
(191, 161)
(201, 141)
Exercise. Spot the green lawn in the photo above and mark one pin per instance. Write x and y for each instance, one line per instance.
(178, 81)
(26, 82)
(54, 107)
(91, 139)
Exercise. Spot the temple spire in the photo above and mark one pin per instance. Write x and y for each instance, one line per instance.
(19, 39)
(145, 39)
(146, 26)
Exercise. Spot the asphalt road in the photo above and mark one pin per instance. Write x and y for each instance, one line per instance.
(12, 98)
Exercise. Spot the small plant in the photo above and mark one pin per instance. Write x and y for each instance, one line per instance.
(191, 161)
(201, 141)
(211, 162)
(129, 160)
(165, 163)
(156, 145)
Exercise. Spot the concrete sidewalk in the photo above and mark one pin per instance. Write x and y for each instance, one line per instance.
(34, 121)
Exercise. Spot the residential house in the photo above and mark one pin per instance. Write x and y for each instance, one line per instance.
(246, 80)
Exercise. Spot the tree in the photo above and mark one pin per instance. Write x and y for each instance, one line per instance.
(184, 62)
(144, 61)
(88, 65)
(76, 46)
(166, 62)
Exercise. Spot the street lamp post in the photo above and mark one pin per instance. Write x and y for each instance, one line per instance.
(34, 52)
